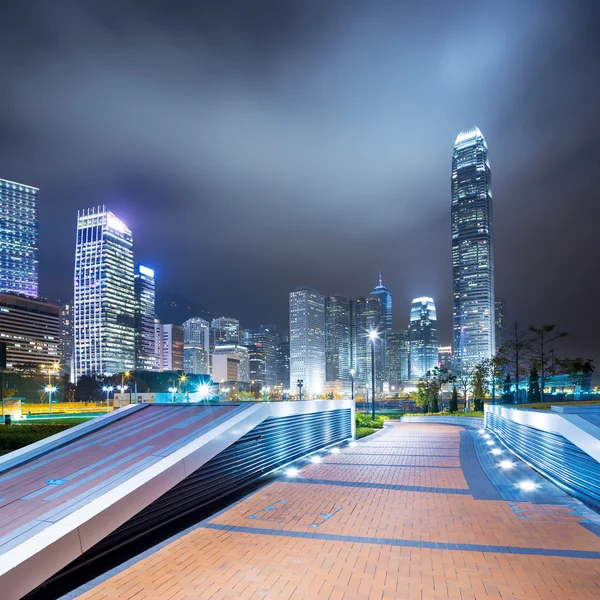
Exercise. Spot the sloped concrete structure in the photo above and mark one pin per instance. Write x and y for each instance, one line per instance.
(82, 493)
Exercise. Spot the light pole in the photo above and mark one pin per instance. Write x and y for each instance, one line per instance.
(107, 389)
(172, 390)
(267, 390)
(373, 337)
(50, 389)
(300, 384)
(352, 374)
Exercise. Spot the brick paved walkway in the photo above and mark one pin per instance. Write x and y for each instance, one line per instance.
(418, 511)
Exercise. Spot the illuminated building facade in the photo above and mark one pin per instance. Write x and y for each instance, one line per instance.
(396, 370)
(307, 340)
(146, 358)
(196, 346)
(499, 322)
(472, 250)
(337, 338)
(365, 316)
(422, 337)
(385, 322)
(445, 357)
(226, 330)
(66, 336)
(168, 340)
(18, 239)
(104, 302)
(264, 337)
(283, 362)
(31, 331)
(231, 364)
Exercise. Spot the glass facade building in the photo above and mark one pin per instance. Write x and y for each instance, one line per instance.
(307, 340)
(396, 370)
(423, 337)
(385, 322)
(196, 346)
(146, 358)
(265, 338)
(499, 322)
(18, 239)
(104, 303)
(472, 250)
(337, 336)
(283, 362)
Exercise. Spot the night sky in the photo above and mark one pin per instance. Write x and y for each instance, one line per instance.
(255, 146)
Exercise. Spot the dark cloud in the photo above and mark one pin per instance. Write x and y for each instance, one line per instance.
(256, 146)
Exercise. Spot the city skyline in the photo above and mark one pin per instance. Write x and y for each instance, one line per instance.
(346, 141)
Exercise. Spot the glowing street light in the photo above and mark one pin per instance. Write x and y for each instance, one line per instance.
(352, 374)
(173, 391)
(204, 391)
(107, 389)
(50, 389)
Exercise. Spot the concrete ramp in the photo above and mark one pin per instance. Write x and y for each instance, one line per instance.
(61, 497)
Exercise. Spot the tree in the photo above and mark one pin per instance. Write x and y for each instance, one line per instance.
(497, 369)
(543, 355)
(514, 353)
(506, 391)
(533, 395)
(463, 377)
(453, 406)
(578, 370)
(422, 395)
(479, 383)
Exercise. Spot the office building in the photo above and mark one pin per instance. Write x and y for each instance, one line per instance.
(423, 337)
(226, 330)
(18, 239)
(499, 322)
(265, 338)
(231, 364)
(472, 251)
(104, 299)
(365, 316)
(396, 371)
(31, 330)
(66, 336)
(385, 321)
(283, 362)
(307, 340)
(146, 356)
(196, 346)
(257, 362)
(445, 357)
(337, 339)
(169, 346)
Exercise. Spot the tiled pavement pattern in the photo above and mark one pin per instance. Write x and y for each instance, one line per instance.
(409, 513)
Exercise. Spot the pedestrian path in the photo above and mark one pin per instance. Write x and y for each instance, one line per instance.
(417, 511)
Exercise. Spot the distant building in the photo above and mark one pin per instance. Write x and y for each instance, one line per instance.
(226, 330)
(146, 357)
(423, 337)
(31, 331)
(499, 322)
(472, 250)
(337, 339)
(265, 338)
(385, 322)
(18, 239)
(169, 346)
(196, 346)
(373, 321)
(66, 336)
(230, 364)
(283, 362)
(445, 357)
(104, 300)
(257, 362)
(396, 357)
(307, 340)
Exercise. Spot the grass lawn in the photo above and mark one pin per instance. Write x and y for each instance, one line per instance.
(13, 437)
(474, 413)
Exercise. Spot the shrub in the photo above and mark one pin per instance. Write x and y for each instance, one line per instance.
(365, 420)
(13, 437)
(362, 432)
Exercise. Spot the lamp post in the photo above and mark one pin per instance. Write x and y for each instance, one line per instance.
(352, 374)
(373, 337)
(300, 384)
(267, 390)
(172, 391)
(107, 389)
(50, 389)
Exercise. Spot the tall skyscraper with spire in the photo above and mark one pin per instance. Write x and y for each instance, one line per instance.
(385, 323)
(472, 250)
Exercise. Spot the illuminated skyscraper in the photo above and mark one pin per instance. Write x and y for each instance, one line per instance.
(307, 340)
(337, 338)
(472, 250)
(196, 349)
(385, 321)
(168, 340)
(18, 239)
(146, 358)
(499, 322)
(423, 337)
(264, 337)
(226, 330)
(104, 304)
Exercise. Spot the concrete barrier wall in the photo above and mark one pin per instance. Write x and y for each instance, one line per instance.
(563, 447)
(472, 422)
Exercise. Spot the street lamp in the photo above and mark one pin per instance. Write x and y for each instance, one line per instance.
(50, 389)
(267, 390)
(352, 374)
(107, 389)
(173, 391)
(373, 337)
(300, 384)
